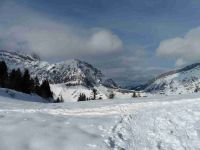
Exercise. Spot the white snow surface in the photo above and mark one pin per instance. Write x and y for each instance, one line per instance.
(71, 93)
(152, 123)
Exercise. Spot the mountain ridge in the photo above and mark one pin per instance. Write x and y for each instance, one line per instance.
(70, 72)
(179, 81)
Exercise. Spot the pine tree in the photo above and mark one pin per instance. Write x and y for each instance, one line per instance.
(61, 99)
(36, 85)
(82, 97)
(32, 85)
(111, 95)
(11, 82)
(197, 89)
(57, 100)
(94, 91)
(28, 84)
(3, 74)
(44, 90)
(134, 94)
(36, 80)
(18, 83)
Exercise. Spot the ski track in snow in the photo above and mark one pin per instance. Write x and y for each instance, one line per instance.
(157, 124)
(100, 111)
(165, 128)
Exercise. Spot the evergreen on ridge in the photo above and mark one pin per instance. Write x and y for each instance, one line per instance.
(22, 82)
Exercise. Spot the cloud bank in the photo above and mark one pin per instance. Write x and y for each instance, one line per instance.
(184, 49)
(23, 29)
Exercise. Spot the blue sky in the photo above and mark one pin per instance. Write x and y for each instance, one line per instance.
(130, 40)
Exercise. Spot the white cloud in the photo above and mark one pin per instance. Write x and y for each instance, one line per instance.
(24, 29)
(184, 49)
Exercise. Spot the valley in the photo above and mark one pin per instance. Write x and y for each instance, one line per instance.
(151, 123)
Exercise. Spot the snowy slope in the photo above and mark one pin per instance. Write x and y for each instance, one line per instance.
(153, 123)
(68, 79)
(71, 93)
(180, 81)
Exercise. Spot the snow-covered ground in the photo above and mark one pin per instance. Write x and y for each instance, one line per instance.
(71, 93)
(151, 123)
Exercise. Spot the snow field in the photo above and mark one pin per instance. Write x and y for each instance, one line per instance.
(152, 123)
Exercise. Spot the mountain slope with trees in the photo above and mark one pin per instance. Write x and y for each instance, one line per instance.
(22, 82)
(72, 72)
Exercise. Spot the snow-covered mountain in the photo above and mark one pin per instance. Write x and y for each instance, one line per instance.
(72, 72)
(185, 80)
(68, 78)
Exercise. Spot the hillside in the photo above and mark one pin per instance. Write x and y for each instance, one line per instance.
(68, 78)
(72, 72)
(185, 80)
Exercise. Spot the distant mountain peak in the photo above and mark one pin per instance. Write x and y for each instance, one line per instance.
(186, 68)
(184, 80)
(32, 57)
(70, 72)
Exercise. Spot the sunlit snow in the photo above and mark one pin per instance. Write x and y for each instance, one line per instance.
(152, 123)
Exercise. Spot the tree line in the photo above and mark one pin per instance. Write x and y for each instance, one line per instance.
(22, 82)
(82, 96)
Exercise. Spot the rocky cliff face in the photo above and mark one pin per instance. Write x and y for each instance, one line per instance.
(72, 72)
